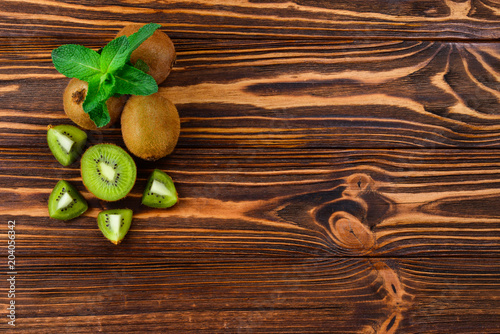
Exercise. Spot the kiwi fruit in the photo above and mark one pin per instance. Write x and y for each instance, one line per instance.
(73, 98)
(108, 171)
(158, 52)
(66, 142)
(150, 126)
(160, 191)
(65, 202)
(114, 224)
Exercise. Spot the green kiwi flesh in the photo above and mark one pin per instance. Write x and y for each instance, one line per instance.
(65, 202)
(114, 224)
(160, 191)
(66, 142)
(108, 171)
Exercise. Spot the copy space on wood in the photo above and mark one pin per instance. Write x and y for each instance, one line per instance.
(361, 19)
(338, 171)
(277, 202)
(381, 94)
(307, 295)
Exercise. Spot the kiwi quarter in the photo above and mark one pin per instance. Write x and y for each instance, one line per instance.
(150, 126)
(65, 202)
(158, 52)
(66, 142)
(114, 224)
(160, 191)
(73, 98)
(108, 171)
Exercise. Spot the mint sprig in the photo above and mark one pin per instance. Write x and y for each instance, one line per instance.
(130, 80)
(107, 72)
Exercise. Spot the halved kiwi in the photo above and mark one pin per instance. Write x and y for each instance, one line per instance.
(160, 191)
(108, 171)
(114, 224)
(65, 202)
(66, 142)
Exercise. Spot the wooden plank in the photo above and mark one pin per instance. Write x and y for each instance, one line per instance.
(338, 171)
(259, 295)
(411, 19)
(370, 94)
(275, 203)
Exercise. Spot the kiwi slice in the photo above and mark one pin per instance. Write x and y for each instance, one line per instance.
(108, 171)
(65, 202)
(66, 142)
(160, 191)
(114, 224)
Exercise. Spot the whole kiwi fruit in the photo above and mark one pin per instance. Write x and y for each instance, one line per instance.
(150, 126)
(73, 98)
(158, 52)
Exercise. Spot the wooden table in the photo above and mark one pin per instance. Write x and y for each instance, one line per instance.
(338, 171)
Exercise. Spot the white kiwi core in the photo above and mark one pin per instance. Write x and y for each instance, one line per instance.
(65, 200)
(107, 171)
(114, 223)
(65, 142)
(160, 189)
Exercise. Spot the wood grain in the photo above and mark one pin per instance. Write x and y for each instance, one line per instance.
(284, 203)
(259, 295)
(301, 19)
(338, 171)
(317, 95)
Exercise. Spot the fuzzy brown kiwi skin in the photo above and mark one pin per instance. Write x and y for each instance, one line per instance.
(73, 98)
(150, 126)
(158, 52)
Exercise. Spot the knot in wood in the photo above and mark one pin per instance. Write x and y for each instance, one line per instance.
(350, 232)
(358, 184)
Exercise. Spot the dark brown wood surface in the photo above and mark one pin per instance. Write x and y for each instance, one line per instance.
(338, 171)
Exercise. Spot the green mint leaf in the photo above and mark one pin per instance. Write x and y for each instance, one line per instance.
(107, 71)
(100, 89)
(107, 86)
(76, 61)
(114, 55)
(91, 100)
(141, 35)
(141, 65)
(100, 115)
(130, 80)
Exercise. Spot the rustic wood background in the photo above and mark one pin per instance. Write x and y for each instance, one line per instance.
(338, 171)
